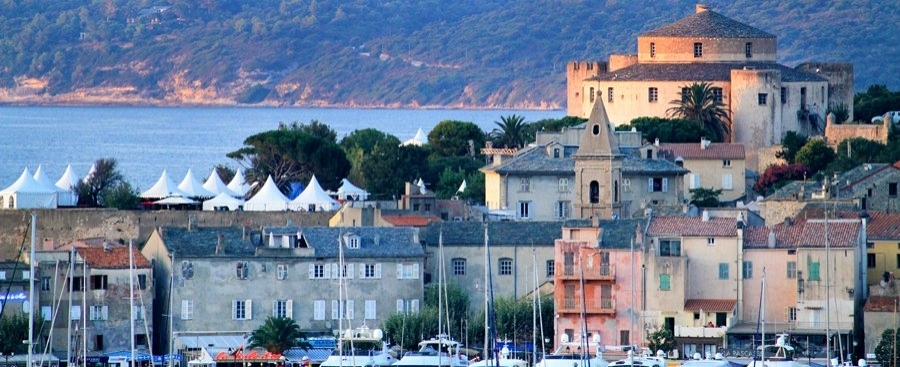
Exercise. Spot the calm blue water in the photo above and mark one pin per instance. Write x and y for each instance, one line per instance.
(148, 140)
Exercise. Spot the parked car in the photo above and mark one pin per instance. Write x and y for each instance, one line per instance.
(895, 117)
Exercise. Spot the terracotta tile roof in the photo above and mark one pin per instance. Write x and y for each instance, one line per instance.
(805, 233)
(883, 226)
(713, 151)
(880, 304)
(710, 305)
(410, 220)
(693, 227)
(115, 257)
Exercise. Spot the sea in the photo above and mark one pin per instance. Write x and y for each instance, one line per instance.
(147, 140)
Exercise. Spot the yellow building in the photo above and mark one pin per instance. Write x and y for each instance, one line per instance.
(717, 166)
(766, 99)
(883, 253)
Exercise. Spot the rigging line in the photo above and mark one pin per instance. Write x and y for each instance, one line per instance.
(55, 313)
(144, 312)
(16, 267)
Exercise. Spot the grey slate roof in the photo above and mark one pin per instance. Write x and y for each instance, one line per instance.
(499, 233)
(708, 24)
(634, 164)
(618, 233)
(701, 71)
(393, 242)
(535, 160)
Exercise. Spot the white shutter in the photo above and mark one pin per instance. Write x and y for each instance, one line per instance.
(726, 182)
(399, 271)
(326, 272)
(184, 309)
(349, 310)
(104, 313)
(415, 271)
(93, 313)
(650, 184)
(377, 271)
(414, 305)
(234, 306)
(335, 271)
(289, 309)
(312, 271)
(362, 271)
(319, 309)
(665, 185)
(696, 181)
(370, 309)
(350, 271)
(249, 308)
(275, 308)
(334, 310)
(400, 305)
(135, 313)
(75, 313)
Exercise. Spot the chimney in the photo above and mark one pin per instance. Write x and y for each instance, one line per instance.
(49, 244)
(700, 8)
(377, 240)
(704, 143)
(705, 215)
(190, 224)
(656, 142)
(788, 221)
(771, 242)
(105, 246)
(595, 221)
(219, 248)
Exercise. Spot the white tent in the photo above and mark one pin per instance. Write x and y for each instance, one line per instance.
(66, 184)
(224, 199)
(90, 173)
(419, 140)
(26, 192)
(193, 188)
(313, 198)
(349, 191)
(267, 199)
(238, 184)
(45, 181)
(163, 188)
(215, 185)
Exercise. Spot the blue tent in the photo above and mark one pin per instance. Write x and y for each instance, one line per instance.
(127, 354)
(162, 359)
(296, 189)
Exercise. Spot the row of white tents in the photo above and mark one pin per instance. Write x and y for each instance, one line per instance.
(38, 191)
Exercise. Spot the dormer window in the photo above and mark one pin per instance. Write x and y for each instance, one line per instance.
(242, 270)
(555, 152)
(353, 242)
(300, 241)
(187, 269)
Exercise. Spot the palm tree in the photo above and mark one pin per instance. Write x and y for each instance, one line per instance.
(278, 334)
(702, 105)
(510, 132)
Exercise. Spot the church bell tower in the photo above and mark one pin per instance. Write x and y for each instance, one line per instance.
(598, 168)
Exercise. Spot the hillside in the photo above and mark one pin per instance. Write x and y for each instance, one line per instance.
(390, 53)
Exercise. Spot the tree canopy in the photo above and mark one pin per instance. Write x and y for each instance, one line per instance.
(668, 130)
(105, 176)
(451, 138)
(702, 103)
(278, 334)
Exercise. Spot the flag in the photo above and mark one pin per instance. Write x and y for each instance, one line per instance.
(462, 187)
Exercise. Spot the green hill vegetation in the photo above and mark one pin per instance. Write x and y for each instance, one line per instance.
(422, 53)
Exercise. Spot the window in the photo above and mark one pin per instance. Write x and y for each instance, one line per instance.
(685, 94)
(609, 95)
(341, 309)
(649, 153)
(319, 309)
(98, 342)
(748, 49)
(727, 182)
(26, 274)
(710, 241)
(353, 241)
(652, 49)
(505, 267)
(99, 313)
(693, 180)
(665, 282)
(371, 271)
(525, 184)
(187, 309)
(592, 94)
(563, 184)
(747, 270)
(802, 98)
(698, 49)
(524, 210)
(459, 266)
(892, 189)
(75, 313)
(551, 268)
(317, 271)
(241, 309)
(898, 261)
(47, 312)
(282, 271)
(370, 310)
(555, 152)
(717, 94)
(407, 305)
(792, 270)
(407, 271)
(283, 308)
(784, 95)
(762, 98)
(562, 209)
(624, 338)
(45, 283)
(140, 339)
(187, 269)
(670, 248)
(595, 129)
(723, 271)
(98, 282)
(242, 270)
(138, 313)
(2, 274)
(814, 271)
(657, 184)
(594, 195)
(653, 94)
(427, 209)
(791, 314)
(726, 163)
(870, 261)
(626, 185)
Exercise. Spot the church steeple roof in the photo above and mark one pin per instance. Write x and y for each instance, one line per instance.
(598, 139)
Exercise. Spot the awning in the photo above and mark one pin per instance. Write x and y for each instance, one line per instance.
(219, 341)
(317, 355)
(710, 305)
(127, 355)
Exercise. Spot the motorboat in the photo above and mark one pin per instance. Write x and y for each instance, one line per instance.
(698, 361)
(436, 352)
(779, 354)
(646, 359)
(503, 361)
(361, 347)
(571, 354)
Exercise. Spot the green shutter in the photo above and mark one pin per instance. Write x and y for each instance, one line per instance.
(664, 283)
(723, 271)
(814, 271)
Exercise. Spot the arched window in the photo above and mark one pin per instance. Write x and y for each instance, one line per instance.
(596, 129)
(616, 191)
(12, 202)
(595, 192)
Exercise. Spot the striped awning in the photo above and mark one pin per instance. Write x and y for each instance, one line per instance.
(710, 305)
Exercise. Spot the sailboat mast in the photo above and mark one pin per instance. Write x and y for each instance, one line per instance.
(534, 304)
(84, 285)
(762, 303)
(440, 297)
(493, 318)
(342, 307)
(131, 293)
(171, 322)
(31, 291)
(827, 293)
(487, 319)
(69, 345)
(584, 329)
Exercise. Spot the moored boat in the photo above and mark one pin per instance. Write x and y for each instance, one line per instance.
(436, 352)
(361, 347)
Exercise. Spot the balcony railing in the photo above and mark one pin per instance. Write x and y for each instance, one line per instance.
(601, 306)
(595, 272)
(699, 332)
